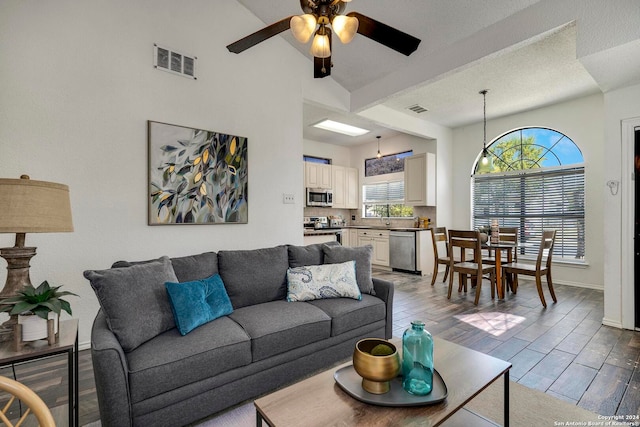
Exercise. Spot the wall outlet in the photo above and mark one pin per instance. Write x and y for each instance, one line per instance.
(288, 199)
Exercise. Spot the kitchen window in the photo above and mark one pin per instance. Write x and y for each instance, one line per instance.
(535, 181)
(390, 163)
(313, 159)
(385, 200)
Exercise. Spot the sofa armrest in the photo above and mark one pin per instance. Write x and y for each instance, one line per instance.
(384, 291)
(110, 370)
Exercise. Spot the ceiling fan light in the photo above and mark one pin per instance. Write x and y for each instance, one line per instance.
(320, 47)
(345, 27)
(303, 27)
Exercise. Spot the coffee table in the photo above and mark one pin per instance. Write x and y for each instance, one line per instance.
(319, 401)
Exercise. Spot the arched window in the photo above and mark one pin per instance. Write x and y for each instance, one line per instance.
(533, 179)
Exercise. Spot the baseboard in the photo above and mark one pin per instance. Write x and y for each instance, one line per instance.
(614, 324)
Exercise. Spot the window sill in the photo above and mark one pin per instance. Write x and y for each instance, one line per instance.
(564, 262)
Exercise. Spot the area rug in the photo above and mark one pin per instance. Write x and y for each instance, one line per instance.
(528, 408)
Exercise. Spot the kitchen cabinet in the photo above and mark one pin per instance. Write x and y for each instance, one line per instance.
(353, 237)
(317, 175)
(344, 182)
(349, 237)
(379, 239)
(424, 252)
(420, 180)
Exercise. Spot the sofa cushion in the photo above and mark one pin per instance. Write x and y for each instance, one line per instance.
(300, 256)
(170, 361)
(313, 282)
(348, 314)
(186, 268)
(278, 326)
(195, 267)
(361, 255)
(198, 302)
(254, 276)
(135, 300)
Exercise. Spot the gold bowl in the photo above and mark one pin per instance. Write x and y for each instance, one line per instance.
(376, 371)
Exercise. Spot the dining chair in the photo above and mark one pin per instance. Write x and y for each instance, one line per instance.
(465, 241)
(438, 235)
(541, 267)
(32, 402)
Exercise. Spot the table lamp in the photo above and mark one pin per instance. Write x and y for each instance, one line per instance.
(28, 206)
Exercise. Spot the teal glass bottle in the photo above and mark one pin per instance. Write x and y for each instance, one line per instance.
(417, 359)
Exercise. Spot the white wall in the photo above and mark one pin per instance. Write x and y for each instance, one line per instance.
(618, 229)
(340, 156)
(581, 120)
(78, 87)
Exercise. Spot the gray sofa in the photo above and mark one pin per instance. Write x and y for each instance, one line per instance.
(158, 377)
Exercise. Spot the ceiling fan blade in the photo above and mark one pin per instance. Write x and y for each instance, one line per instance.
(386, 35)
(321, 67)
(260, 36)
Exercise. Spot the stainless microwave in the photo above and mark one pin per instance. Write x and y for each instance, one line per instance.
(319, 197)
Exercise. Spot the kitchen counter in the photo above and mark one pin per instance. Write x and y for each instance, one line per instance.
(377, 227)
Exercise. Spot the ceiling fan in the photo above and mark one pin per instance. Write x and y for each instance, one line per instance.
(320, 17)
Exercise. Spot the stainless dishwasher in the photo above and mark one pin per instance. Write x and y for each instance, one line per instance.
(402, 250)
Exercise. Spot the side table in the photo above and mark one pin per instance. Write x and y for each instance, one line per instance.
(67, 342)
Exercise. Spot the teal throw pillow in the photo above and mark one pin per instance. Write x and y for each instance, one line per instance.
(313, 282)
(198, 302)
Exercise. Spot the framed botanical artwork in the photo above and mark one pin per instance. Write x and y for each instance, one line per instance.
(196, 176)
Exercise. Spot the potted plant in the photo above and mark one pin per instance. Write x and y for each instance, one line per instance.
(34, 306)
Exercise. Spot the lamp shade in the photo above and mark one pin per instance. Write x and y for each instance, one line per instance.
(303, 27)
(320, 47)
(345, 27)
(30, 206)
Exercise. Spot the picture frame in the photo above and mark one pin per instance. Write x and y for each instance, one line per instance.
(196, 176)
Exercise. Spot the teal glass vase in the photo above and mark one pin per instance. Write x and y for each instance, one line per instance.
(417, 359)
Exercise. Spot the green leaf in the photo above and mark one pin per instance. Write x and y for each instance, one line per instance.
(65, 306)
(23, 307)
(41, 312)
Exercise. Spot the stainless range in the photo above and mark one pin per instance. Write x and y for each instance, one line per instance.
(323, 225)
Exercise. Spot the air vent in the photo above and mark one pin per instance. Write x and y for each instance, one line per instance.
(417, 109)
(166, 59)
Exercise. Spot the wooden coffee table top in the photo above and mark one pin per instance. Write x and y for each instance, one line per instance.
(319, 401)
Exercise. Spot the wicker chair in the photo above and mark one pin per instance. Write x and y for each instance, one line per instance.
(29, 398)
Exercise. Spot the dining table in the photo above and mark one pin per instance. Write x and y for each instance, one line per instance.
(498, 247)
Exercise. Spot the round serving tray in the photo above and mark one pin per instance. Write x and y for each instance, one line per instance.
(349, 380)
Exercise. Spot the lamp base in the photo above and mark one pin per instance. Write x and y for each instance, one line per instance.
(17, 258)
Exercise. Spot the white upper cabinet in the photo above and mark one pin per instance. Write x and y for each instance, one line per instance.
(420, 180)
(317, 175)
(345, 187)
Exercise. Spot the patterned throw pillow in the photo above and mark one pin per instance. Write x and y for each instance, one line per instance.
(313, 282)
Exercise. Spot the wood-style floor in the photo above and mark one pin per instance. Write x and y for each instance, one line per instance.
(563, 350)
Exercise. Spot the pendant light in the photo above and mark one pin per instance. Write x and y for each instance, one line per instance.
(486, 163)
(379, 154)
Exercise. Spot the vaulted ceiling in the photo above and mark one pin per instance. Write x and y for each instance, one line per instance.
(525, 52)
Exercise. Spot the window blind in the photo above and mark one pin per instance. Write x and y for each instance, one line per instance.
(532, 201)
(384, 193)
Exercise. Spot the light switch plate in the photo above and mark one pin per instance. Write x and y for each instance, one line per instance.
(288, 199)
